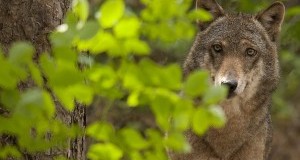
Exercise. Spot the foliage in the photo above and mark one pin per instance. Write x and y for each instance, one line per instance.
(70, 74)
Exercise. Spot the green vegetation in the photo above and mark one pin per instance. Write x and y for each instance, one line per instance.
(106, 55)
(70, 73)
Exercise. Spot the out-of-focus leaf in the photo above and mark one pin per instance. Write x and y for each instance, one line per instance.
(133, 99)
(200, 121)
(133, 139)
(110, 12)
(136, 46)
(206, 117)
(79, 92)
(89, 30)
(217, 116)
(36, 74)
(105, 151)
(127, 27)
(196, 84)
(162, 109)
(9, 151)
(200, 15)
(81, 9)
(100, 131)
(36, 98)
(21, 53)
(214, 95)
(177, 142)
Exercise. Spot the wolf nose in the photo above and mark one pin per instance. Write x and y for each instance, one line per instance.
(231, 85)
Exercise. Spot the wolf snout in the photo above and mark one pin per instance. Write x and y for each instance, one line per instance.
(231, 84)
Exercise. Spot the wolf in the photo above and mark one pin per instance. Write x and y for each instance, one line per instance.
(239, 51)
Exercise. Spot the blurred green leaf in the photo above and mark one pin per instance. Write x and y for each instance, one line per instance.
(127, 27)
(200, 121)
(177, 142)
(106, 151)
(196, 84)
(204, 118)
(214, 95)
(89, 30)
(21, 53)
(9, 151)
(133, 139)
(81, 9)
(100, 131)
(136, 46)
(110, 12)
(200, 15)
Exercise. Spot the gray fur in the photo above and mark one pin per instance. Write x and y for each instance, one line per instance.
(248, 132)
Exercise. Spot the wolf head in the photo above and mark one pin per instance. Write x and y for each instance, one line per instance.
(239, 50)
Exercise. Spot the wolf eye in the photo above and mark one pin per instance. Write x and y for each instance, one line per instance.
(251, 52)
(217, 48)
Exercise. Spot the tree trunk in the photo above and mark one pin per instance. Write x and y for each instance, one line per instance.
(33, 20)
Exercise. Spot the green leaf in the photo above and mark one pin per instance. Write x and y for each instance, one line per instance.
(21, 53)
(214, 95)
(106, 151)
(204, 118)
(8, 79)
(201, 120)
(67, 95)
(133, 139)
(133, 99)
(196, 84)
(218, 117)
(9, 151)
(36, 101)
(89, 30)
(110, 12)
(36, 74)
(181, 116)
(177, 142)
(9, 98)
(81, 9)
(136, 46)
(65, 53)
(101, 42)
(127, 27)
(200, 15)
(162, 109)
(101, 131)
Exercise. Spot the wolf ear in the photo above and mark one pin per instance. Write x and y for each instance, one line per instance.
(272, 18)
(212, 7)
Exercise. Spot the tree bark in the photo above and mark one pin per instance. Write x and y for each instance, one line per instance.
(33, 20)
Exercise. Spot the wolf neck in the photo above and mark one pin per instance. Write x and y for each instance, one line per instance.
(244, 118)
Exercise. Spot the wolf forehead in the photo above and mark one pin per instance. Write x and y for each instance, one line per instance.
(234, 28)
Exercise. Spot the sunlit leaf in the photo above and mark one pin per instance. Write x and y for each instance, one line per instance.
(106, 151)
(100, 131)
(127, 27)
(133, 139)
(200, 15)
(81, 9)
(110, 12)
(200, 121)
